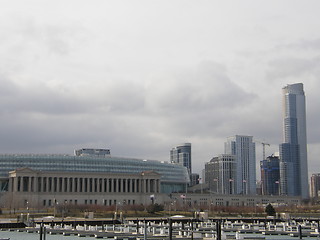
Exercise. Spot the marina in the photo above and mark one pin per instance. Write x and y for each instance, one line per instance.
(169, 228)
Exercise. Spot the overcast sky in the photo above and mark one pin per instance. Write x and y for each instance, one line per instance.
(139, 77)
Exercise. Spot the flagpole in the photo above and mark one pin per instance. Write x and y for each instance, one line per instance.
(186, 186)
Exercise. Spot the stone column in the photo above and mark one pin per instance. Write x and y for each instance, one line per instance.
(121, 185)
(143, 185)
(81, 185)
(112, 184)
(73, 185)
(29, 183)
(147, 185)
(64, 184)
(129, 185)
(58, 184)
(125, 189)
(68, 185)
(136, 187)
(132, 185)
(47, 184)
(32, 188)
(93, 184)
(107, 184)
(158, 186)
(88, 185)
(155, 185)
(15, 184)
(103, 184)
(11, 186)
(117, 185)
(35, 189)
(52, 184)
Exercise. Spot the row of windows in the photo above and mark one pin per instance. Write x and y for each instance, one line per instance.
(110, 202)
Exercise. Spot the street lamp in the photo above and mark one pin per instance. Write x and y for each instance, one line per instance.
(210, 206)
(27, 211)
(64, 208)
(278, 183)
(55, 203)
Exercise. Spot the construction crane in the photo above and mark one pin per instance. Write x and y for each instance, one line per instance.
(264, 144)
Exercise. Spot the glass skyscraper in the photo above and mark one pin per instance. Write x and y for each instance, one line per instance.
(293, 150)
(244, 150)
(270, 175)
(181, 154)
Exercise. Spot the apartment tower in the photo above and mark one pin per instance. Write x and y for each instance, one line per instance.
(243, 148)
(221, 174)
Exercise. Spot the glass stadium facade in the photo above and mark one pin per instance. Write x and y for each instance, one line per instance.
(174, 178)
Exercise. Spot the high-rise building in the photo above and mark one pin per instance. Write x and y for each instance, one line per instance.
(221, 174)
(194, 179)
(293, 150)
(181, 154)
(315, 185)
(270, 175)
(245, 156)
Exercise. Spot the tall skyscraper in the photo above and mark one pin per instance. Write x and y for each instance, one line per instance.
(221, 174)
(293, 150)
(245, 157)
(270, 175)
(181, 154)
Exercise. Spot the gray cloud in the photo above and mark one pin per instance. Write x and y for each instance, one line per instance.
(37, 98)
(301, 45)
(206, 87)
(293, 67)
(139, 78)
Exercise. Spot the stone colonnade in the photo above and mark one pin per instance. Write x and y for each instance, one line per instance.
(74, 185)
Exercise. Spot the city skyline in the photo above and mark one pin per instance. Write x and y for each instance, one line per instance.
(138, 78)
